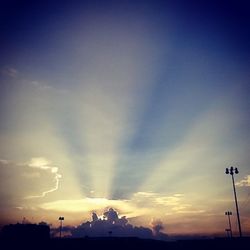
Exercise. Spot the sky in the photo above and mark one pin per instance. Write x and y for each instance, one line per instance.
(135, 105)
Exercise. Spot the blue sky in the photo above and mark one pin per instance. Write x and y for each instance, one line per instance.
(138, 105)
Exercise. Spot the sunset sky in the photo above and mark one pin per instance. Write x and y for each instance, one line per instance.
(135, 105)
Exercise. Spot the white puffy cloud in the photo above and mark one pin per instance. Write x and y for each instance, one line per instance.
(245, 182)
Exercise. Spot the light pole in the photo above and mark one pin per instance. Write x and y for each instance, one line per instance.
(61, 219)
(233, 171)
(227, 230)
(228, 213)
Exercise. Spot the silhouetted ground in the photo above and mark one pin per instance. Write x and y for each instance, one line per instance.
(125, 243)
(26, 232)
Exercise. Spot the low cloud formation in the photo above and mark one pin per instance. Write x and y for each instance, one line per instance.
(110, 224)
(157, 226)
(245, 182)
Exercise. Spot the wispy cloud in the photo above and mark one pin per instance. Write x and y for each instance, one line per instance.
(9, 71)
(41, 85)
(245, 182)
(93, 204)
(173, 202)
(19, 181)
(46, 87)
(141, 204)
(44, 164)
(3, 162)
(191, 211)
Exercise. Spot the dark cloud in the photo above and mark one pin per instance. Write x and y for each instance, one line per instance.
(94, 217)
(112, 225)
(111, 216)
(157, 226)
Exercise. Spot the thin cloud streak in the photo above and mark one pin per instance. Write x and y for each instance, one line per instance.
(44, 164)
(93, 204)
(10, 72)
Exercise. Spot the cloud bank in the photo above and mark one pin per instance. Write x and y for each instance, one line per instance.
(111, 224)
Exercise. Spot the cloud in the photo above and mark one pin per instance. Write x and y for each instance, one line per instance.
(94, 217)
(9, 71)
(89, 204)
(111, 225)
(145, 194)
(39, 162)
(167, 205)
(173, 202)
(19, 208)
(191, 211)
(44, 164)
(245, 182)
(157, 226)
(32, 177)
(140, 204)
(3, 162)
(41, 85)
(111, 215)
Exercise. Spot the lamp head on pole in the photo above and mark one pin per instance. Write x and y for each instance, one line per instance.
(228, 213)
(231, 170)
